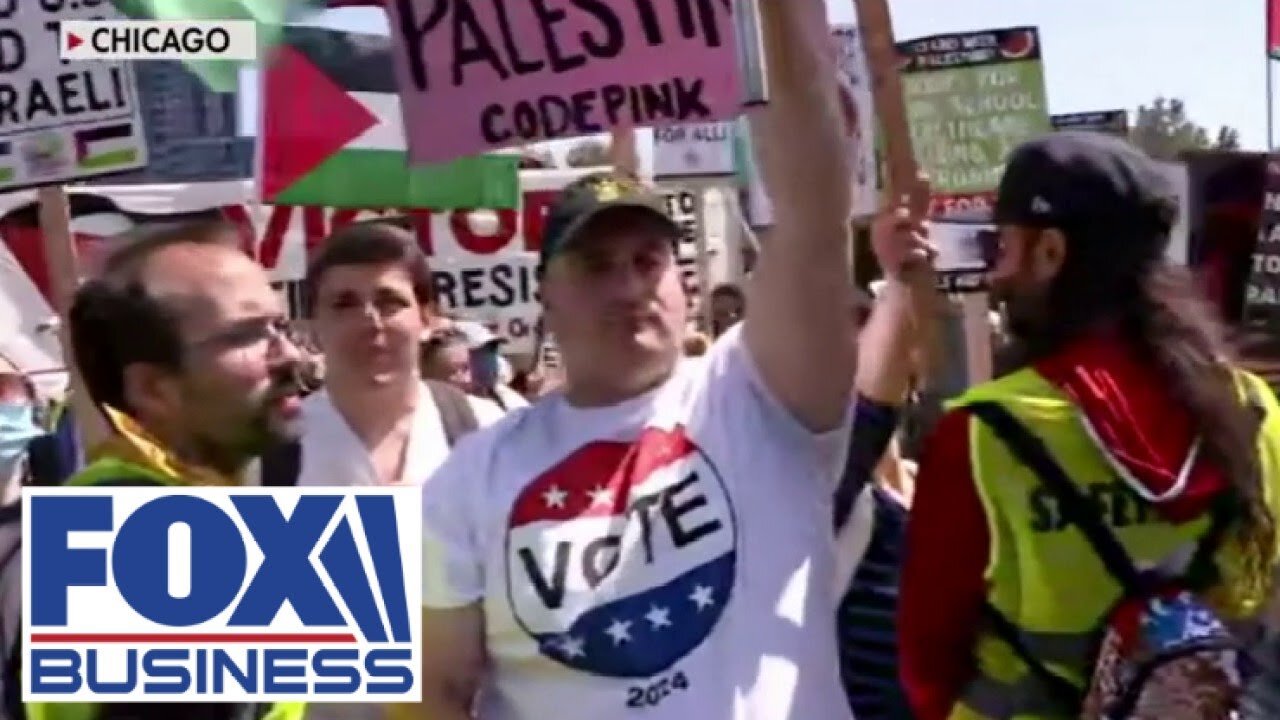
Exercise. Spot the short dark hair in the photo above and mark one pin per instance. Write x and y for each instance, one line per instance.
(372, 242)
(115, 322)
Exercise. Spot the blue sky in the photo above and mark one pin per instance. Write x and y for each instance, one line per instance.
(1099, 54)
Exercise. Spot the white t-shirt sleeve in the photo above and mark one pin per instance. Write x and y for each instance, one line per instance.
(487, 411)
(452, 554)
(735, 389)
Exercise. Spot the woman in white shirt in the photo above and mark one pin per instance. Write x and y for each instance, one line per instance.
(369, 293)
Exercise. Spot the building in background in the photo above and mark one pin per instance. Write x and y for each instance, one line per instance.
(191, 131)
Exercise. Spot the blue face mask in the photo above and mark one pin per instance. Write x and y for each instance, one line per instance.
(484, 368)
(17, 428)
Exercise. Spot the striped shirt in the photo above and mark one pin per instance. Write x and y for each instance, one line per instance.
(866, 617)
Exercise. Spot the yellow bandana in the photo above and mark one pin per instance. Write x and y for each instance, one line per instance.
(132, 443)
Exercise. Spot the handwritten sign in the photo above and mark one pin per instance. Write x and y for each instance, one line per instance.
(971, 98)
(62, 120)
(479, 76)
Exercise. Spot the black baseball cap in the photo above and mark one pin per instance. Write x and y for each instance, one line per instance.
(1088, 185)
(590, 197)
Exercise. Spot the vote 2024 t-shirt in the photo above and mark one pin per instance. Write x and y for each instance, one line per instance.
(668, 557)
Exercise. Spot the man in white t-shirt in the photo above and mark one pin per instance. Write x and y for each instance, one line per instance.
(653, 539)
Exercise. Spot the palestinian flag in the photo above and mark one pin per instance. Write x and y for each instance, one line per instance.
(271, 15)
(106, 146)
(332, 134)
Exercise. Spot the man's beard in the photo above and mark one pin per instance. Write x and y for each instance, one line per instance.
(1022, 317)
(266, 427)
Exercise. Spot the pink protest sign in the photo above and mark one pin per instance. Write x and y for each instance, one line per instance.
(482, 75)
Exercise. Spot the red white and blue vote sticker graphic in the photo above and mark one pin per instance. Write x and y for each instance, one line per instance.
(621, 558)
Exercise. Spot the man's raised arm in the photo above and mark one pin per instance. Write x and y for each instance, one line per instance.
(799, 327)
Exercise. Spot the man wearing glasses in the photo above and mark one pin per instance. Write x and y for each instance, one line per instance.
(181, 342)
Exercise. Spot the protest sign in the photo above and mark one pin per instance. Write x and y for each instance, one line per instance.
(475, 77)
(684, 206)
(1262, 289)
(858, 106)
(860, 118)
(62, 121)
(1112, 122)
(696, 150)
(971, 98)
(484, 261)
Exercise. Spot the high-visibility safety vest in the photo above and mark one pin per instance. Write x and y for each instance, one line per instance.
(111, 470)
(1041, 573)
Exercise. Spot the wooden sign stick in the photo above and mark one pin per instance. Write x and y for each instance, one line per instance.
(64, 278)
(875, 25)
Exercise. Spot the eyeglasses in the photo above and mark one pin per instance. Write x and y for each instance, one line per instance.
(246, 333)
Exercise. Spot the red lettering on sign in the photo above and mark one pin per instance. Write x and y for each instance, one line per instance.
(483, 244)
(267, 245)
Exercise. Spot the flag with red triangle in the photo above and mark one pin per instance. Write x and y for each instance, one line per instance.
(332, 133)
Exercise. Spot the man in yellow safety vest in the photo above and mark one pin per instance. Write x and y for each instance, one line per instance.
(1122, 374)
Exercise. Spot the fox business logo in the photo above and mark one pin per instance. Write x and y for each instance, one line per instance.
(221, 594)
(158, 40)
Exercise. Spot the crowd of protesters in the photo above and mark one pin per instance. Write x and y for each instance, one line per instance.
(728, 522)
(184, 346)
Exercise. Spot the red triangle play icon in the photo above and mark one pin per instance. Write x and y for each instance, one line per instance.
(73, 41)
(311, 118)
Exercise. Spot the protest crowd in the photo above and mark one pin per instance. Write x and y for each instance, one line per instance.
(792, 494)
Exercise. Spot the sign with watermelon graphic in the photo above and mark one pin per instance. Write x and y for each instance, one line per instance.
(331, 134)
(971, 98)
